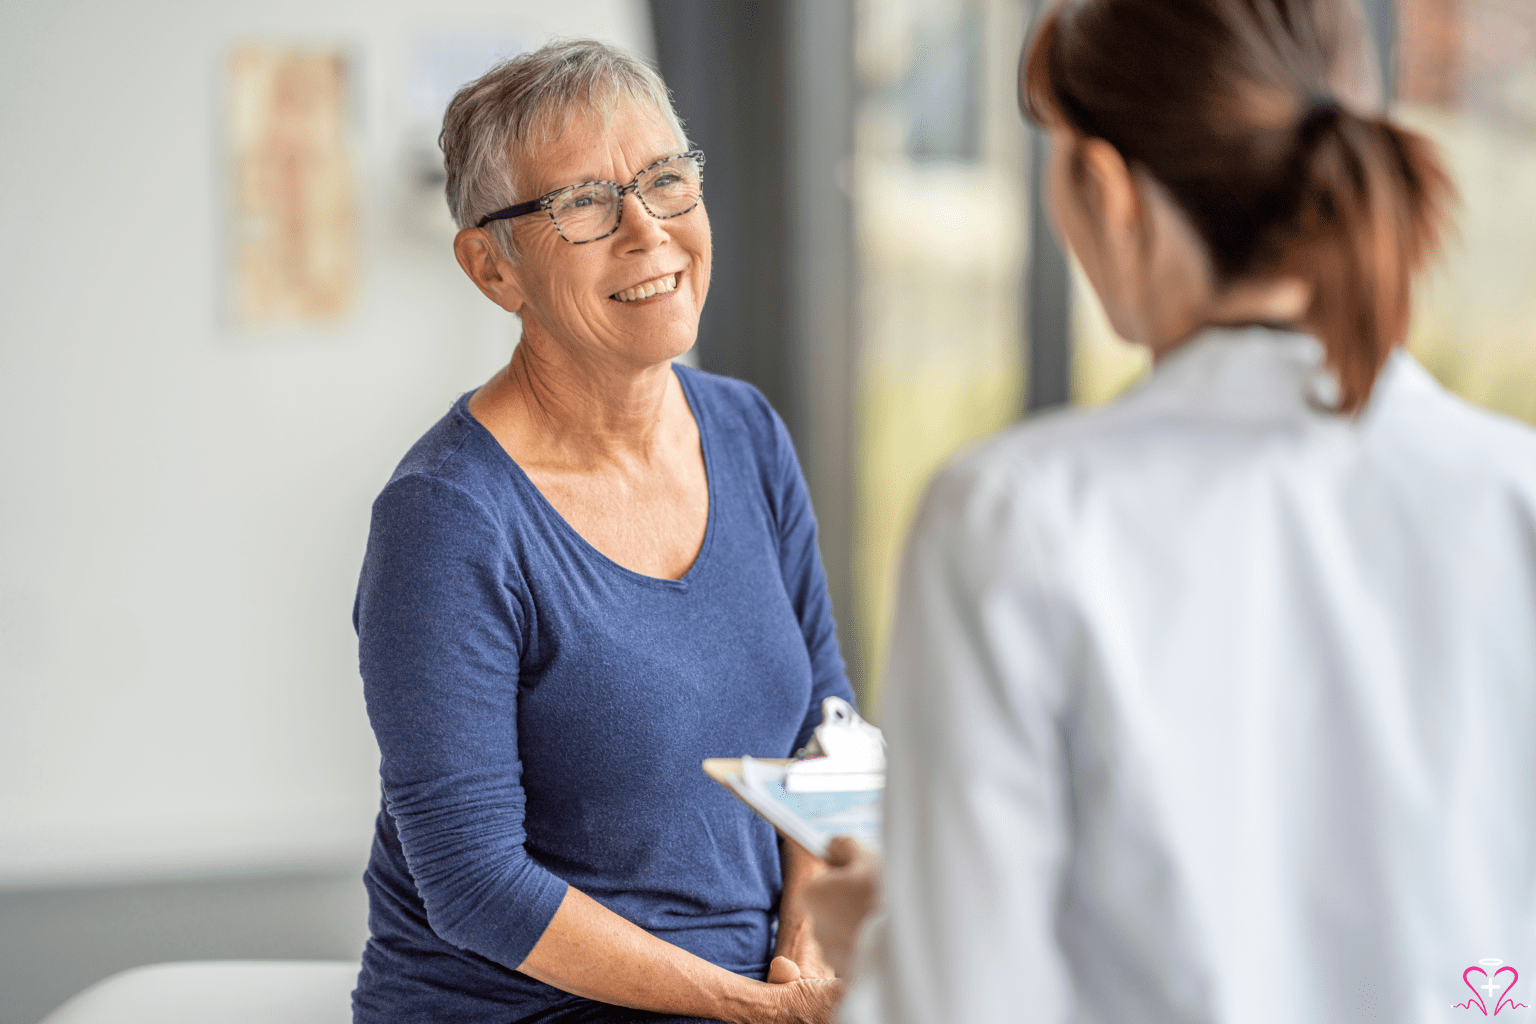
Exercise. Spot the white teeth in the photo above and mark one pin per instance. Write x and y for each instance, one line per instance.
(660, 286)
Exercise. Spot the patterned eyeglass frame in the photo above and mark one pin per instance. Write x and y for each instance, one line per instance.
(547, 200)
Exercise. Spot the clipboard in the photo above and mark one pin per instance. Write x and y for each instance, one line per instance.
(808, 819)
(836, 787)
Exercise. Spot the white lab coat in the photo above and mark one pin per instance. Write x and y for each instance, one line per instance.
(1212, 706)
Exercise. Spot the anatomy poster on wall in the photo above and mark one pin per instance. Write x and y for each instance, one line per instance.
(293, 234)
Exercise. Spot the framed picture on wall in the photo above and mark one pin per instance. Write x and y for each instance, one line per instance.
(293, 238)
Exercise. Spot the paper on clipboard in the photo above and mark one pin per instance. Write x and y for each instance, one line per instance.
(810, 819)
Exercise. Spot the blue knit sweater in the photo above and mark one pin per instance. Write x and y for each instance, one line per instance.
(542, 713)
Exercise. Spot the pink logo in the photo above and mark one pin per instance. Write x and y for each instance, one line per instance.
(1492, 986)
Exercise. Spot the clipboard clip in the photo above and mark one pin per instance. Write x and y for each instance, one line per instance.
(845, 753)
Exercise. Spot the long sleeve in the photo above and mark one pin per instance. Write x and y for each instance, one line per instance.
(542, 712)
(976, 810)
(805, 579)
(440, 626)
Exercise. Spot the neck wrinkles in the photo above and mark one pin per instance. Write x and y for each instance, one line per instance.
(587, 408)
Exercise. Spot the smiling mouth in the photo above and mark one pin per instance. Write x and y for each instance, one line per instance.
(663, 285)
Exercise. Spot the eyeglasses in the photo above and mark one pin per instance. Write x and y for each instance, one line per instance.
(670, 187)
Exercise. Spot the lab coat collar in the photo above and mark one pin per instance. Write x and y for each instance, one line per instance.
(1259, 375)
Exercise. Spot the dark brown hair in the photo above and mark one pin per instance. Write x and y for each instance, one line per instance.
(1231, 106)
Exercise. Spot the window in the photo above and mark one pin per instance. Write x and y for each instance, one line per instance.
(939, 183)
(1467, 79)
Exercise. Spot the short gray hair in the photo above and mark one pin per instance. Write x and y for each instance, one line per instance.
(525, 102)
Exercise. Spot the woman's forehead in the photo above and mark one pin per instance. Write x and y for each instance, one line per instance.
(612, 141)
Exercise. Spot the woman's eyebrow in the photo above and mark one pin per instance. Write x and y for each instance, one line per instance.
(653, 161)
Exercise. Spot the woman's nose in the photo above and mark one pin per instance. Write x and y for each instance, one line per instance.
(638, 230)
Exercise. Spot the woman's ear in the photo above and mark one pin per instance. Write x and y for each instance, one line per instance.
(480, 257)
(1113, 184)
(1120, 237)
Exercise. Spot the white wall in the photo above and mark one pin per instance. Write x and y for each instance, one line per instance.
(183, 505)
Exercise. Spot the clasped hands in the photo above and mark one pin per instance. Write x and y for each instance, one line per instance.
(816, 951)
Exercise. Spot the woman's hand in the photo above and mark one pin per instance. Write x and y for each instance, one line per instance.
(590, 951)
(795, 999)
(840, 898)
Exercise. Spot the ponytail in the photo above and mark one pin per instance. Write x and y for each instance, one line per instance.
(1371, 206)
(1211, 98)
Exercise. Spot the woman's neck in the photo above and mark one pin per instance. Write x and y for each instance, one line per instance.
(577, 410)
(1162, 273)
(1266, 302)
(1270, 302)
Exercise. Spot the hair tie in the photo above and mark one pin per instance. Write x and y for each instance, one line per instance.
(1321, 101)
(1320, 108)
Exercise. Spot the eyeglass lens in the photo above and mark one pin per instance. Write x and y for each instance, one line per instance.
(587, 212)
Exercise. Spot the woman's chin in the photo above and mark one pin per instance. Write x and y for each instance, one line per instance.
(655, 349)
(678, 350)
(665, 342)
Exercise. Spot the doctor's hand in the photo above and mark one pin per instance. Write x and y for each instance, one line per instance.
(796, 940)
(840, 898)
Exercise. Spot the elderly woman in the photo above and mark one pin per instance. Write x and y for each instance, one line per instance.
(595, 571)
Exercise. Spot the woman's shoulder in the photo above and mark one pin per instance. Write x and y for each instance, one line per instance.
(1050, 448)
(1207, 409)
(451, 464)
(733, 410)
(1205, 434)
(1417, 405)
(1428, 438)
(723, 396)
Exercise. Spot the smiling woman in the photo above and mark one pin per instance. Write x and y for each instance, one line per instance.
(595, 571)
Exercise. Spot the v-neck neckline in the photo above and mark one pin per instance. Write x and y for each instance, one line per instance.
(525, 482)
